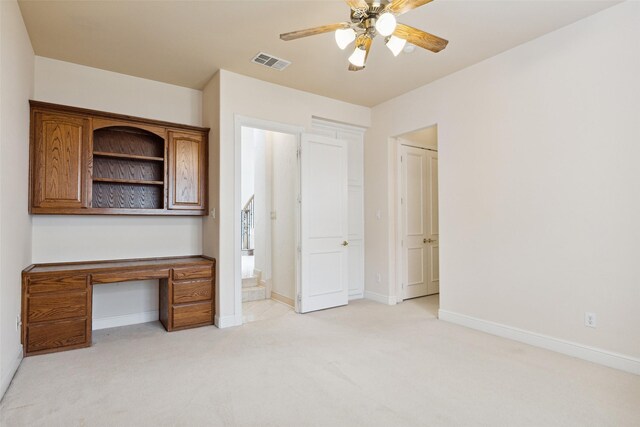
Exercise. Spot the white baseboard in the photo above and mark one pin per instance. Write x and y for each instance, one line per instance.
(384, 299)
(227, 321)
(357, 295)
(126, 319)
(8, 376)
(592, 354)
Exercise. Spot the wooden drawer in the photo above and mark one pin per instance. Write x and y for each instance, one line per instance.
(123, 276)
(49, 336)
(196, 272)
(55, 283)
(192, 315)
(56, 306)
(191, 291)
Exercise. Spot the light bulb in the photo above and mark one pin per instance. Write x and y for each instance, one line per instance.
(396, 44)
(344, 36)
(386, 24)
(357, 57)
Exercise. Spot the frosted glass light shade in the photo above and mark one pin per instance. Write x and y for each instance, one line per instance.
(396, 44)
(386, 24)
(357, 57)
(344, 37)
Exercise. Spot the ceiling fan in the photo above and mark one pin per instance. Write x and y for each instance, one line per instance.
(370, 18)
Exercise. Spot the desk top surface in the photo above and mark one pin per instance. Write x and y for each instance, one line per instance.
(120, 264)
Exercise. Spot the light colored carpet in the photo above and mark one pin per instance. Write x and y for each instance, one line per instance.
(366, 364)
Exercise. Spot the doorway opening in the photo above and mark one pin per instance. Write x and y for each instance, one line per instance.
(268, 222)
(418, 247)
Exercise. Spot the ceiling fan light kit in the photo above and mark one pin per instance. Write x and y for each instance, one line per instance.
(395, 44)
(344, 37)
(370, 18)
(386, 24)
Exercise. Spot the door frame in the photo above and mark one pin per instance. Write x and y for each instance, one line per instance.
(241, 121)
(401, 267)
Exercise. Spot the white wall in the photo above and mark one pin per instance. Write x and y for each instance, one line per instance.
(248, 165)
(240, 95)
(539, 183)
(78, 238)
(262, 203)
(16, 87)
(283, 203)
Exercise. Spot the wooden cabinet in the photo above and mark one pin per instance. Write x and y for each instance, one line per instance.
(187, 170)
(59, 160)
(57, 298)
(56, 311)
(91, 162)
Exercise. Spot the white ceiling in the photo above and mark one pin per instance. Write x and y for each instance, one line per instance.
(185, 43)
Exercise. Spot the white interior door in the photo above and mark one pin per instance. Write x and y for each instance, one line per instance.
(420, 221)
(323, 223)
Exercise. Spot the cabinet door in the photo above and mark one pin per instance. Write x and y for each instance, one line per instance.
(60, 160)
(187, 171)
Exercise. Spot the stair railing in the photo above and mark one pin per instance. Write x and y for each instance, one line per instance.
(247, 216)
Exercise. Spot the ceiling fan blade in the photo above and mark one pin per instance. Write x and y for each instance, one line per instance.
(420, 38)
(398, 7)
(313, 31)
(357, 4)
(365, 41)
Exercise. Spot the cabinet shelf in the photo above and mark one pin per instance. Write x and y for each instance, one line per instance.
(127, 156)
(128, 181)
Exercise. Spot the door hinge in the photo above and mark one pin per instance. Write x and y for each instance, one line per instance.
(299, 298)
(401, 159)
(299, 249)
(298, 153)
(299, 199)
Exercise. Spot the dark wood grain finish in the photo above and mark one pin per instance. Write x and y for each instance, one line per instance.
(128, 169)
(57, 282)
(128, 140)
(192, 291)
(190, 315)
(57, 298)
(127, 196)
(55, 336)
(187, 175)
(187, 273)
(123, 276)
(164, 304)
(95, 163)
(56, 306)
(59, 164)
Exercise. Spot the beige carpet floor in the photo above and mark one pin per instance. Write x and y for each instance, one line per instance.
(366, 364)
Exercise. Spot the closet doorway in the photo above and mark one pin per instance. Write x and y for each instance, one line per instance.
(417, 212)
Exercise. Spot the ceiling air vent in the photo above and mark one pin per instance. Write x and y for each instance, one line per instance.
(271, 61)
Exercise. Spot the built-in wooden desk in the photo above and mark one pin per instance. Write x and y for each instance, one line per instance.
(57, 298)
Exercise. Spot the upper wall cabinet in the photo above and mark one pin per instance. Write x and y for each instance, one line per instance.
(90, 162)
(187, 170)
(59, 160)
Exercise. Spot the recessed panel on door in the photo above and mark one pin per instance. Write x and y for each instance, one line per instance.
(324, 223)
(60, 161)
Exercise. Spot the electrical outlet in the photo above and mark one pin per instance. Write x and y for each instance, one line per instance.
(590, 320)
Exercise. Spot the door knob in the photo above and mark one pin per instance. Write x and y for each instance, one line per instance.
(428, 240)
(345, 243)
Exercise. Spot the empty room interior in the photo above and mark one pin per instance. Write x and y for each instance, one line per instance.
(320, 213)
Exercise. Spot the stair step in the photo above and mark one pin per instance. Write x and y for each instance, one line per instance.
(248, 282)
(254, 293)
